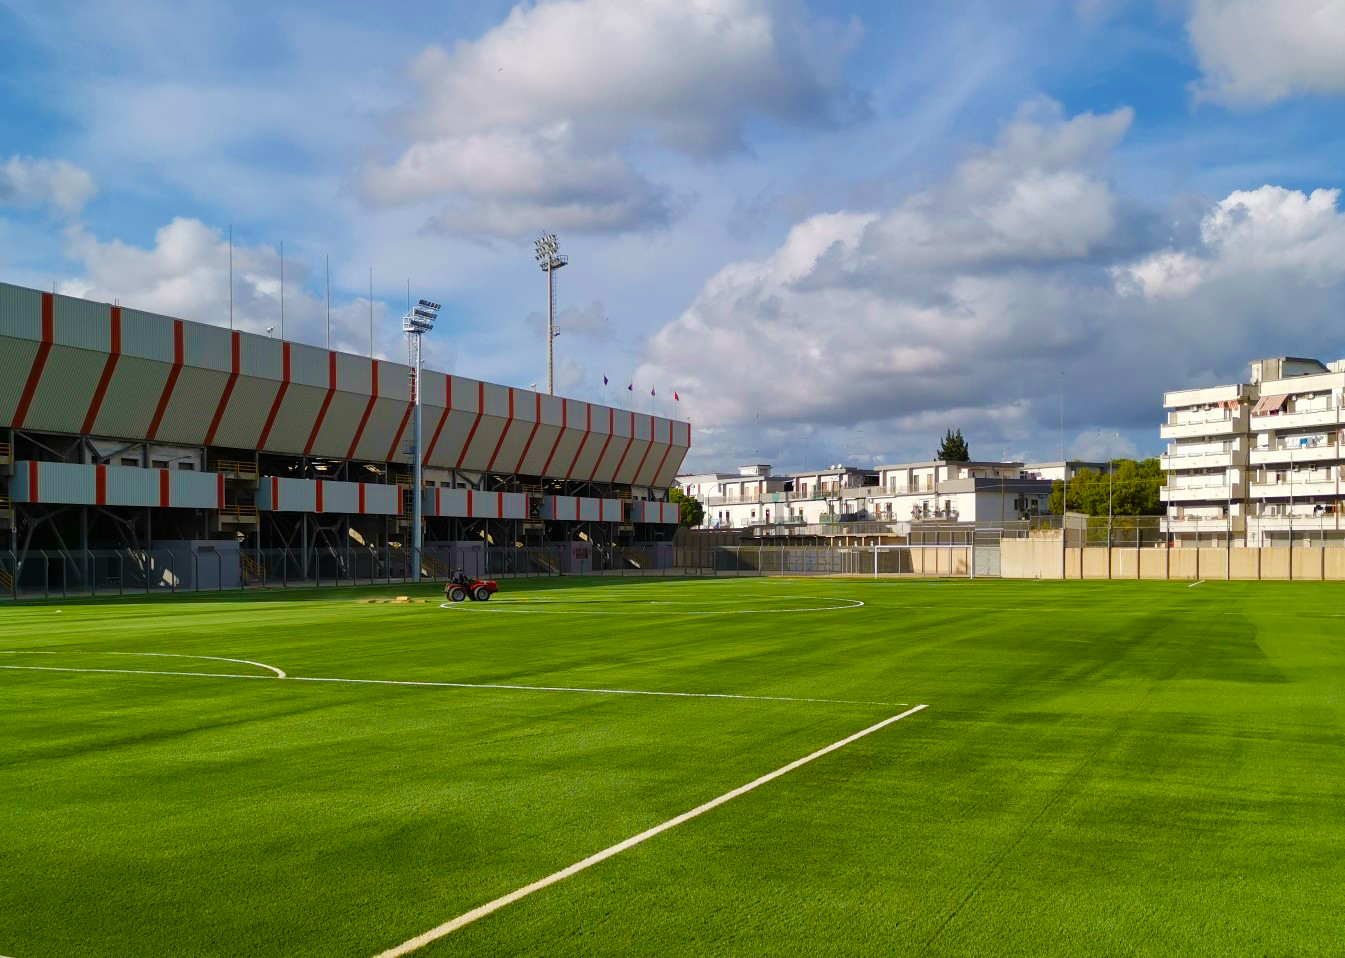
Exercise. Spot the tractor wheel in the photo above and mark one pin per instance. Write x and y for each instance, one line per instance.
(457, 594)
(481, 594)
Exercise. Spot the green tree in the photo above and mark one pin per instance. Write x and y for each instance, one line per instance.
(953, 448)
(689, 508)
(1132, 490)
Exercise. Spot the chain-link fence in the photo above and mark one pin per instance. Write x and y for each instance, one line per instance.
(1150, 547)
(222, 568)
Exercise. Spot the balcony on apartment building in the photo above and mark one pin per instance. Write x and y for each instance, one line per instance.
(1301, 484)
(1324, 447)
(1200, 489)
(1188, 423)
(1203, 455)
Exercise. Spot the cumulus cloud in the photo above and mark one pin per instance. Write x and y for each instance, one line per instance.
(1258, 51)
(962, 305)
(185, 273)
(535, 121)
(32, 182)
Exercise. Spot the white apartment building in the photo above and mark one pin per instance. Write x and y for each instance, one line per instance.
(1263, 457)
(904, 492)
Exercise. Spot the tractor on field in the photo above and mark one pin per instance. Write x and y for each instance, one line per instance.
(461, 587)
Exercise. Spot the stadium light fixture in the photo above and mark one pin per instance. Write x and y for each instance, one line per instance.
(418, 321)
(550, 258)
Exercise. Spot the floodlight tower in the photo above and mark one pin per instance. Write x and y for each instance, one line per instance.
(550, 259)
(416, 323)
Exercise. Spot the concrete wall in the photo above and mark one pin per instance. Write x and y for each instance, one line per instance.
(1040, 559)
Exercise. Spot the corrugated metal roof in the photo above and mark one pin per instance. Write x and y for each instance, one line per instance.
(132, 394)
(243, 419)
(16, 358)
(196, 395)
(63, 393)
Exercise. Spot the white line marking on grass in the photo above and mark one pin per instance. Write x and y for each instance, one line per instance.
(465, 685)
(566, 688)
(207, 675)
(1196, 583)
(158, 655)
(486, 607)
(448, 927)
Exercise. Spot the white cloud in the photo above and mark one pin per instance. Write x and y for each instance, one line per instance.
(1258, 51)
(185, 273)
(961, 305)
(1250, 232)
(32, 182)
(534, 122)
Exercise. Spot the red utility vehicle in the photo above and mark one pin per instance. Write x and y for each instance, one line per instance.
(460, 588)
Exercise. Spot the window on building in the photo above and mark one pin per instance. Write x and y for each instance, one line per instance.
(160, 463)
(129, 461)
(186, 466)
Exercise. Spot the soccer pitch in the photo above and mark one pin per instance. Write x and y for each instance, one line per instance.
(1101, 768)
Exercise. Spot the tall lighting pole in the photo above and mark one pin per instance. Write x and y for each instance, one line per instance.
(416, 323)
(550, 259)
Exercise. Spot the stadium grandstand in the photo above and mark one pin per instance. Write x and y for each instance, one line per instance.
(128, 431)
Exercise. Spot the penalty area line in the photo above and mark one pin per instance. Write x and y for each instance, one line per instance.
(1196, 583)
(448, 927)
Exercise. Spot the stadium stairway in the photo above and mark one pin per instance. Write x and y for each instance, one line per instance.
(253, 571)
(543, 560)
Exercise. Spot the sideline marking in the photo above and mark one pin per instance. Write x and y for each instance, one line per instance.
(486, 607)
(448, 927)
(1196, 583)
(426, 684)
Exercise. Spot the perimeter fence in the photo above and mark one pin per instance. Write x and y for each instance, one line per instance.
(1079, 547)
(39, 574)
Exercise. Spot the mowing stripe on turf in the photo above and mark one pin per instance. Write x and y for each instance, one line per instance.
(448, 927)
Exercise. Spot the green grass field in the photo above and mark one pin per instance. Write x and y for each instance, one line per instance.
(1102, 769)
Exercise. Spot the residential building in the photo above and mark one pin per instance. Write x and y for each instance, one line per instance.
(1263, 458)
(905, 492)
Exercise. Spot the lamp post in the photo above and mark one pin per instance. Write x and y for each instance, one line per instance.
(416, 323)
(550, 259)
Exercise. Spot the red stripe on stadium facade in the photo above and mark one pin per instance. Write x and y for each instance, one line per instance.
(109, 366)
(564, 425)
(625, 452)
(659, 468)
(588, 431)
(611, 428)
(228, 389)
(480, 411)
(537, 421)
(168, 387)
(503, 432)
(368, 409)
(443, 418)
(647, 449)
(280, 395)
(39, 361)
(326, 404)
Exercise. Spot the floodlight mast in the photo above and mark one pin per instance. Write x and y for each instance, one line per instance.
(550, 259)
(416, 323)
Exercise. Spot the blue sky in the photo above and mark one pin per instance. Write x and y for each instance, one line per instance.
(835, 228)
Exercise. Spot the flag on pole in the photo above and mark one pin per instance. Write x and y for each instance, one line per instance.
(604, 380)
(630, 388)
(651, 390)
(676, 398)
